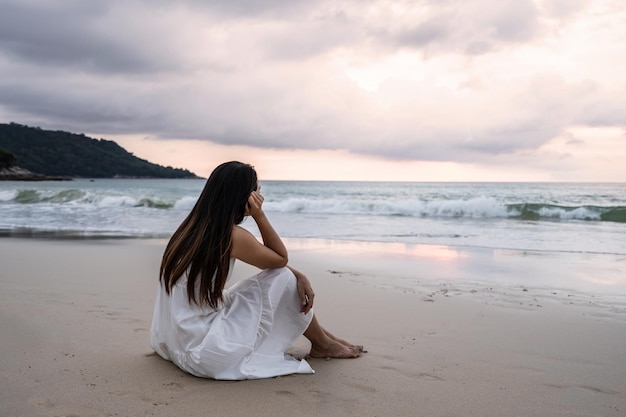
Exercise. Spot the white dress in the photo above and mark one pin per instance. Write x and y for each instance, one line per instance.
(245, 338)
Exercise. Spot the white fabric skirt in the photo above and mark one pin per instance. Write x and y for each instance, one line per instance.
(246, 338)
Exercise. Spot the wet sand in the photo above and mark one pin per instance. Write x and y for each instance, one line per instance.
(449, 332)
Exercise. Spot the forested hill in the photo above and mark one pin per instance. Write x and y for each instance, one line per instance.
(65, 154)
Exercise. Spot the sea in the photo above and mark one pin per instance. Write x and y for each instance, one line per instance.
(559, 217)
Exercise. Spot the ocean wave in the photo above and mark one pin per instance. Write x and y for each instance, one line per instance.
(79, 197)
(471, 208)
(185, 203)
(8, 195)
(551, 211)
(476, 208)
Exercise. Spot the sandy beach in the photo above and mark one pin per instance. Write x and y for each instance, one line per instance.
(449, 332)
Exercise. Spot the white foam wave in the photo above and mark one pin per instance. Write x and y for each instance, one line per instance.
(580, 213)
(118, 201)
(480, 207)
(185, 203)
(8, 195)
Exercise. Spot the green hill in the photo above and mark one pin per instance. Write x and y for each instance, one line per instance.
(65, 154)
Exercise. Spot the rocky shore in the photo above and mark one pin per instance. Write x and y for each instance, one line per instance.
(21, 174)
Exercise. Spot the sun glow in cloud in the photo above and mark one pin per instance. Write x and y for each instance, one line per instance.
(369, 74)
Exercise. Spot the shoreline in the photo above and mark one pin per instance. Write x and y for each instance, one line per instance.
(455, 265)
(441, 340)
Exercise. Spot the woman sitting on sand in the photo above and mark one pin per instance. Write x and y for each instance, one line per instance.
(241, 332)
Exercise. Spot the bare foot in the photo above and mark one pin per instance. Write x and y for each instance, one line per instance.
(344, 342)
(334, 349)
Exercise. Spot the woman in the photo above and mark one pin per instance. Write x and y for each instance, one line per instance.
(241, 332)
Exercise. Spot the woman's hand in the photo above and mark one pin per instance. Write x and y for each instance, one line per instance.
(305, 291)
(254, 206)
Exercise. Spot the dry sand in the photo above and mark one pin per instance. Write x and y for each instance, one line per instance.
(449, 332)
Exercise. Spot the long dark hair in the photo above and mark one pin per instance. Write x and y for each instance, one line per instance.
(201, 245)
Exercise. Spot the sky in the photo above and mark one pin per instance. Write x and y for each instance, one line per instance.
(431, 90)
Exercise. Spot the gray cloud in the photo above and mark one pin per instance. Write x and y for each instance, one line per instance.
(326, 31)
(243, 8)
(564, 8)
(90, 37)
(435, 30)
(245, 72)
(52, 36)
(473, 27)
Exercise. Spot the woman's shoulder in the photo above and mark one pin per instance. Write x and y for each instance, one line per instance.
(241, 238)
(240, 233)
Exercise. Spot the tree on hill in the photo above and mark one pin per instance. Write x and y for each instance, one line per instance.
(67, 154)
(7, 159)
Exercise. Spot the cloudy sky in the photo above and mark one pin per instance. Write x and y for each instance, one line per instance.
(431, 90)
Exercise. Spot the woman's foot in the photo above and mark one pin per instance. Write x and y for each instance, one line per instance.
(344, 342)
(325, 345)
(334, 349)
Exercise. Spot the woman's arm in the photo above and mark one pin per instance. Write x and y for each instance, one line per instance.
(268, 234)
(272, 253)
